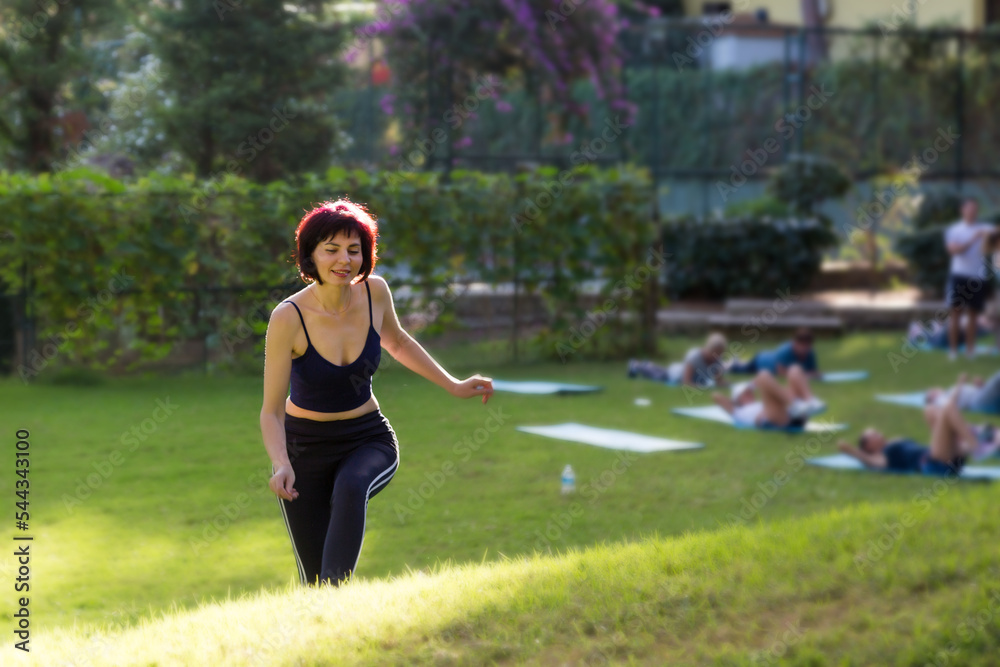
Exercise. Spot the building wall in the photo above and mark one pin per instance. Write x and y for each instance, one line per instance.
(856, 13)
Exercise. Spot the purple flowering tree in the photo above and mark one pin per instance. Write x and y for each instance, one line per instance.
(442, 51)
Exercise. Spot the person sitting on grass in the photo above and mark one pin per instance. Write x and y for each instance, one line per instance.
(799, 350)
(977, 395)
(702, 366)
(952, 441)
(935, 333)
(779, 407)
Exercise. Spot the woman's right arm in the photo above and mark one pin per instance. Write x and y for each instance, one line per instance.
(278, 343)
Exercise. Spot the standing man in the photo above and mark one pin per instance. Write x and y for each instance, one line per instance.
(967, 276)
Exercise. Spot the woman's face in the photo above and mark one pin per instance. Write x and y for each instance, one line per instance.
(338, 259)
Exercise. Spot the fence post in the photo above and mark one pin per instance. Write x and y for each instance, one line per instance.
(26, 335)
(803, 34)
(960, 111)
(515, 305)
(370, 116)
(786, 87)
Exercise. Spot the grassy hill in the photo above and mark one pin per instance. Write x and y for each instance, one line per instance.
(812, 591)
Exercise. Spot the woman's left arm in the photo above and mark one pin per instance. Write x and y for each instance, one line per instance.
(406, 350)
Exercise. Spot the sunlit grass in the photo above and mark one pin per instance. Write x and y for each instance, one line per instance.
(792, 591)
(184, 516)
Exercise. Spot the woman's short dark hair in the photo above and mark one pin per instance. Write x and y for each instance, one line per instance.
(326, 221)
(863, 443)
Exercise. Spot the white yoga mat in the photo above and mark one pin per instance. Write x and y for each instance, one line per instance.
(717, 414)
(914, 399)
(542, 387)
(843, 376)
(845, 462)
(609, 438)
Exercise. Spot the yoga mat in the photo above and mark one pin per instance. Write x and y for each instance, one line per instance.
(981, 348)
(915, 400)
(609, 438)
(845, 462)
(717, 414)
(540, 387)
(843, 376)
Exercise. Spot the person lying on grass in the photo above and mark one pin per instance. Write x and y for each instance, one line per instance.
(799, 350)
(779, 406)
(702, 366)
(952, 442)
(977, 395)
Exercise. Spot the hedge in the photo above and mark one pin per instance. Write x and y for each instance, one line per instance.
(926, 257)
(715, 259)
(122, 274)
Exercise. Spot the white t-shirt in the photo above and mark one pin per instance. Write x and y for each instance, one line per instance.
(968, 263)
(966, 395)
(746, 415)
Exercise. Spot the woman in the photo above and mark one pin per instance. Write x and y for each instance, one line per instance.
(702, 366)
(331, 449)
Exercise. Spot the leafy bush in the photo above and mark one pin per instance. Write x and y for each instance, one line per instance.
(937, 207)
(759, 207)
(716, 259)
(923, 248)
(804, 181)
(926, 257)
(123, 275)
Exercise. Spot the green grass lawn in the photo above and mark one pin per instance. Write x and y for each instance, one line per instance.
(128, 526)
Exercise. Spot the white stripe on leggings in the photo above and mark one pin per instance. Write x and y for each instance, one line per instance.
(295, 550)
(387, 476)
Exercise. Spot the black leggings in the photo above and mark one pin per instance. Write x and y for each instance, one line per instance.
(338, 466)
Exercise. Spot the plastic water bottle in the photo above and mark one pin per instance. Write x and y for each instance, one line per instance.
(568, 480)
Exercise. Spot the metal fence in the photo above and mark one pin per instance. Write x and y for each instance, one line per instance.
(712, 94)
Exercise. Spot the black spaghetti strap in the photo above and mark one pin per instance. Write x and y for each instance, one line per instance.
(301, 320)
(371, 322)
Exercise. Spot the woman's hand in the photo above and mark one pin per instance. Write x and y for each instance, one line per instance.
(477, 385)
(281, 483)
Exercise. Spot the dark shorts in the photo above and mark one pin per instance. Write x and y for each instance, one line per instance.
(931, 466)
(967, 292)
(796, 424)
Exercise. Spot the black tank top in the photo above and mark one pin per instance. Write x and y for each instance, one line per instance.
(322, 386)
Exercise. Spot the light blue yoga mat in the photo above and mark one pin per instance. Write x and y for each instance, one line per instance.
(915, 399)
(845, 462)
(717, 414)
(981, 348)
(541, 387)
(843, 376)
(609, 438)
(832, 376)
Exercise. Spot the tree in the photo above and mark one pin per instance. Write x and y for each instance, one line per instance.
(441, 51)
(44, 61)
(247, 84)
